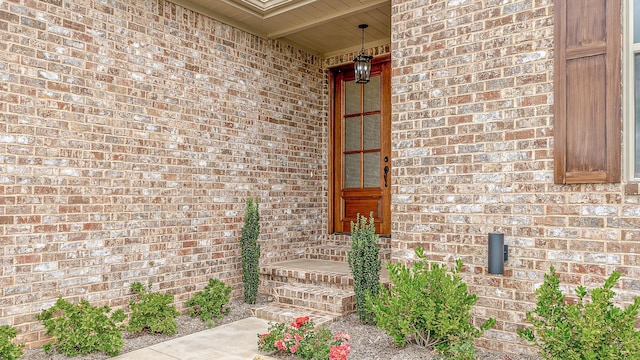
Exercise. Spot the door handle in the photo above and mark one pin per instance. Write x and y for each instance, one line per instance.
(386, 171)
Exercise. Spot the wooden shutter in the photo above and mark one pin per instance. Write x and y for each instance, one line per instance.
(587, 94)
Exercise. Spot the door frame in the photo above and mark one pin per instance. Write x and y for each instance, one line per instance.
(333, 72)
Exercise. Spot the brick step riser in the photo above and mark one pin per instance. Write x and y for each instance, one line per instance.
(282, 276)
(271, 282)
(328, 257)
(339, 257)
(337, 254)
(341, 303)
(268, 284)
(384, 242)
(341, 309)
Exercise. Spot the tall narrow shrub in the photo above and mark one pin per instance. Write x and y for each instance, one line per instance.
(250, 251)
(364, 262)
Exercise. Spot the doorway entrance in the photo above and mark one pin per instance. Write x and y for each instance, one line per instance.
(361, 147)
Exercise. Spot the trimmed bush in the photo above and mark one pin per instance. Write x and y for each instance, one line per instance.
(82, 328)
(428, 306)
(208, 303)
(9, 350)
(153, 311)
(582, 330)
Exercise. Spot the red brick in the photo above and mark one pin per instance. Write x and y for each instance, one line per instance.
(26, 259)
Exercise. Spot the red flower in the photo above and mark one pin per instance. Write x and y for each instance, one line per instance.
(280, 345)
(299, 322)
(340, 352)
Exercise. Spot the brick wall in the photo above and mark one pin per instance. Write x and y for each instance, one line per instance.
(131, 134)
(472, 147)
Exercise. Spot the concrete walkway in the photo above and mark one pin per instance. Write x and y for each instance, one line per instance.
(233, 341)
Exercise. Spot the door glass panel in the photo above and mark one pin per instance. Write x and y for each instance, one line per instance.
(372, 132)
(351, 97)
(352, 133)
(352, 170)
(372, 95)
(372, 169)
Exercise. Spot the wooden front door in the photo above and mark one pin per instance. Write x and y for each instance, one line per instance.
(361, 147)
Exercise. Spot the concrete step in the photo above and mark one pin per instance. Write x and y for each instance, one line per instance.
(327, 299)
(284, 313)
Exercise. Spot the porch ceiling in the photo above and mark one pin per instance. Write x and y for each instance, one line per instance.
(323, 27)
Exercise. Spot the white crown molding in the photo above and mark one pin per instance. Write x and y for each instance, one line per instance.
(267, 8)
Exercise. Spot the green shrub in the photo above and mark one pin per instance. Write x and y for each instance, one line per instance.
(364, 263)
(82, 328)
(427, 306)
(251, 251)
(461, 349)
(152, 311)
(582, 330)
(9, 350)
(208, 302)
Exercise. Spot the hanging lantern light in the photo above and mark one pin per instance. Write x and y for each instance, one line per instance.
(362, 62)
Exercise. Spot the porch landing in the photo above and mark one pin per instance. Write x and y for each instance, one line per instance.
(315, 269)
